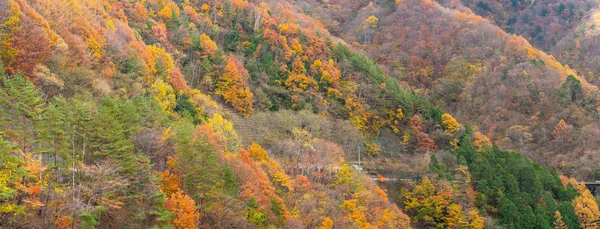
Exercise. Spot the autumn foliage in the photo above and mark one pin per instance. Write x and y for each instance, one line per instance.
(108, 116)
(184, 209)
(232, 86)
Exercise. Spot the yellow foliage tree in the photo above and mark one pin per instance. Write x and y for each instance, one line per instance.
(330, 74)
(394, 119)
(357, 113)
(454, 216)
(449, 123)
(356, 214)
(586, 208)
(169, 11)
(7, 32)
(559, 223)
(434, 206)
(95, 45)
(224, 129)
(161, 62)
(475, 221)
(8, 170)
(165, 95)
(299, 83)
(344, 174)
(372, 21)
(258, 153)
(205, 104)
(296, 46)
(205, 8)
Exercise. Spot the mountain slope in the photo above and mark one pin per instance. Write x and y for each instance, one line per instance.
(498, 82)
(543, 23)
(115, 137)
(148, 114)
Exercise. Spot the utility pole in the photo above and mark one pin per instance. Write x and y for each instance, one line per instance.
(358, 155)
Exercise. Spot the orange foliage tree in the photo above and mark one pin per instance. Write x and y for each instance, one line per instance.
(184, 208)
(302, 181)
(560, 130)
(232, 86)
(209, 47)
(258, 153)
(481, 141)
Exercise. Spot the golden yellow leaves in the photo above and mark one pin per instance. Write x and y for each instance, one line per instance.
(450, 123)
(169, 11)
(207, 44)
(372, 21)
(258, 153)
(164, 95)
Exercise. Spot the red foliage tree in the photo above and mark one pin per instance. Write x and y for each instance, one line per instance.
(33, 47)
(425, 143)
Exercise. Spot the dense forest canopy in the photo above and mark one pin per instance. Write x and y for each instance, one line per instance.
(298, 114)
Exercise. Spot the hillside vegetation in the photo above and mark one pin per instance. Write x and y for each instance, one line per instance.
(250, 114)
(497, 82)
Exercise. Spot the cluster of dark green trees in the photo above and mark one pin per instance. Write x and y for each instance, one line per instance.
(522, 193)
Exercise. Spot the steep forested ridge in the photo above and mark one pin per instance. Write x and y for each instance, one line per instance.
(543, 23)
(496, 81)
(252, 114)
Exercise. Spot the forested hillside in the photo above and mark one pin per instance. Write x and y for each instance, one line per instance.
(252, 114)
(519, 96)
(543, 23)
